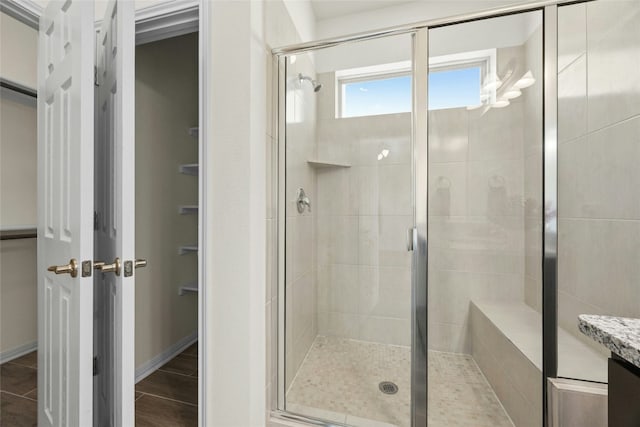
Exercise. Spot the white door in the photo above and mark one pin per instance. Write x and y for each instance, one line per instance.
(115, 216)
(65, 214)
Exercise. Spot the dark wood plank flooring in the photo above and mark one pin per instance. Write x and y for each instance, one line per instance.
(167, 397)
(18, 382)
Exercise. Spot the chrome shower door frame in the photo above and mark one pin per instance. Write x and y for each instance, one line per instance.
(420, 33)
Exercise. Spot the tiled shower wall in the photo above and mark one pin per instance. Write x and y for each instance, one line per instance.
(363, 212)
(477, 209)
(598, 161)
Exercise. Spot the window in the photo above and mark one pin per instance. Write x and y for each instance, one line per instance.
(455, 81)
(454, 88)
(376, 96)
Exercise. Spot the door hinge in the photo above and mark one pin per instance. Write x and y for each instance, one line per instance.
(95, 366)
(95, 76)
(96, 221)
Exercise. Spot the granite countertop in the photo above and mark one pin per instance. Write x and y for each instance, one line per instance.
(621, 335)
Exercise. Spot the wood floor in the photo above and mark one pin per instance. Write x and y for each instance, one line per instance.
(18, 382)
(167, 397)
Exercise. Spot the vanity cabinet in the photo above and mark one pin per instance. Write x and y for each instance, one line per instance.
(624, 393)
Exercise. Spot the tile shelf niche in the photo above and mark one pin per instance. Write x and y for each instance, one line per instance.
(317, 163)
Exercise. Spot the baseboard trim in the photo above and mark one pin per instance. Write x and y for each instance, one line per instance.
(9, 355)
(155, 363)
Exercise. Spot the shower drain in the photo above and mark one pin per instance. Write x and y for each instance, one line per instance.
(387, 387)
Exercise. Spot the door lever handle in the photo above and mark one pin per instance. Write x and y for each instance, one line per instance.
(71, 268)
(138, 263)
(114, 267)
(97, 265)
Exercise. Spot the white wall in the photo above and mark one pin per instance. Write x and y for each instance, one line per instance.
(18, 52)
(18, 142)
(18, 150)
(303, 18)
(234, 250)
(513, 31)
(18, 296)
(402, 14)
(166, 106)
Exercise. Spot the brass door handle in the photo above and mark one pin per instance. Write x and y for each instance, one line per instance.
(71, 268)
(140, 263)
(97, 265)
(114, 267)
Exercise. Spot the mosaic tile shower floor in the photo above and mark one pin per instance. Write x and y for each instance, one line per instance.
(338, 381)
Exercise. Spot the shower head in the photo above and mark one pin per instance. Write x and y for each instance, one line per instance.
(316, 86)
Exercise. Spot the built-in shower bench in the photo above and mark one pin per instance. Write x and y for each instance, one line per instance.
(507, 345)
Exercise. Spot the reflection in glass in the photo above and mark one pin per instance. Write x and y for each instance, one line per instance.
(484, 228)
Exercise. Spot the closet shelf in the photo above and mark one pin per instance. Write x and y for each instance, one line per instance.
(316, 163)
(187, 249)
(187, 209)
(193, 131)
(188, 287)
(189, 169)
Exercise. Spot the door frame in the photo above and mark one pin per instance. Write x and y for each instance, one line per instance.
(549, 9)
(170, 18)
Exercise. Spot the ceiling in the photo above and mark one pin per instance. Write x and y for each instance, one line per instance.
(326, 9)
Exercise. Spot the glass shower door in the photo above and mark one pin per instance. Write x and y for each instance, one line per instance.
(485, 215)
(348, 205)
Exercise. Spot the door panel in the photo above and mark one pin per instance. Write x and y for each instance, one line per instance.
(65, 208)
(348, 203)
(484, 167)
(115, 213)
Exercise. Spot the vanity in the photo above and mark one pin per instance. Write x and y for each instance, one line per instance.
(621, 336)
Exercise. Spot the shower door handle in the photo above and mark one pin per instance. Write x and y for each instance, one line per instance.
(411, 234)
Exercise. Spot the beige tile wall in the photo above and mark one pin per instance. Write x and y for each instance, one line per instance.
(484, 203)
(598, 157)
(512, 375)
(300, 272)
(364, 269)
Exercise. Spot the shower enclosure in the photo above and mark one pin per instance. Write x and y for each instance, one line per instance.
(417, 222)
